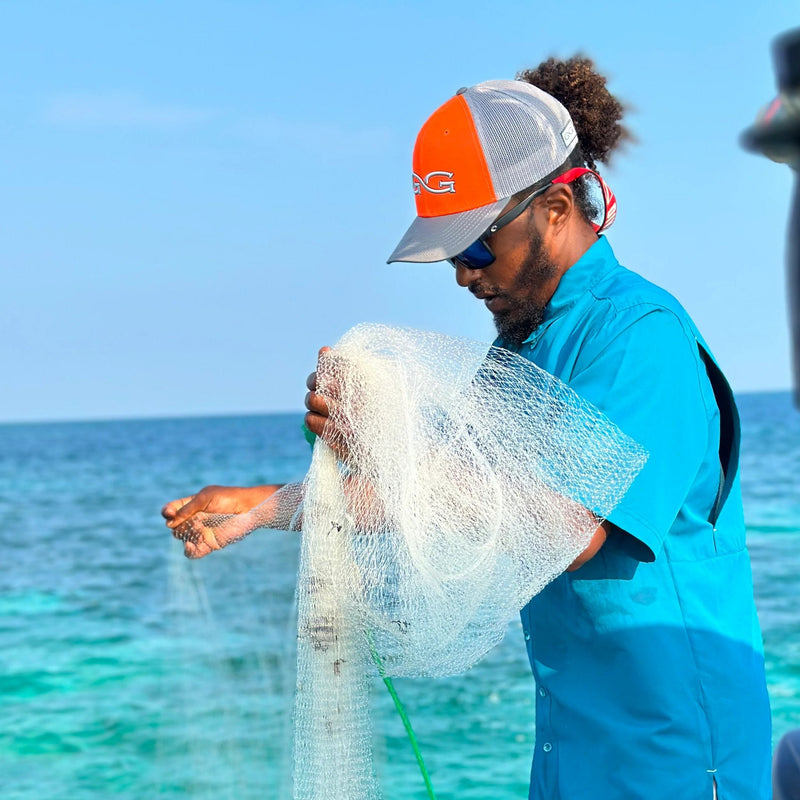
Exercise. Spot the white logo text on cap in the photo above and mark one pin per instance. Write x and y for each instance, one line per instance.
(439, 185)
(569, 135)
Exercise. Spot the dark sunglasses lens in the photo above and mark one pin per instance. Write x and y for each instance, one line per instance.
(476, 256)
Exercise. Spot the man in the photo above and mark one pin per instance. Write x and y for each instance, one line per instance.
(646, 653)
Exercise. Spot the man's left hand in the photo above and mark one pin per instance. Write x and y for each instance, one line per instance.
(321, 409)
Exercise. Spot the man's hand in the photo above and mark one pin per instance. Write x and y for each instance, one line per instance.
(187, 517)
(320, 409)
(216, 500)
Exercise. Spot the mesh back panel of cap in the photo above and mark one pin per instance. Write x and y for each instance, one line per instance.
(520, 128)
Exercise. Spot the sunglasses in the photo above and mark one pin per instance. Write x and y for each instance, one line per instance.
(479, 254)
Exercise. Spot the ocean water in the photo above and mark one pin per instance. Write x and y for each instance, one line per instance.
(126, 670)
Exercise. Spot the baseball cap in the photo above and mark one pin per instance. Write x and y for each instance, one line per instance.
(482, 146)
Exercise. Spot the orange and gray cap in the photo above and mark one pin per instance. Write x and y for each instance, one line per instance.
(482, 146)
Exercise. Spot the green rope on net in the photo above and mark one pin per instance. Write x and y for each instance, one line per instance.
(403, 716)
(311, 438)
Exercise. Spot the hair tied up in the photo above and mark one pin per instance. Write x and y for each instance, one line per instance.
(596, 113)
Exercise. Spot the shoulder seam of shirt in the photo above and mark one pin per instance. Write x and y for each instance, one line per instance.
(653, 306)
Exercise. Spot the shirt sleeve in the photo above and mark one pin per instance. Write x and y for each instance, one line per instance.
(647, 378)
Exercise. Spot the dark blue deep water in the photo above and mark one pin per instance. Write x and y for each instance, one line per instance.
(126, 670)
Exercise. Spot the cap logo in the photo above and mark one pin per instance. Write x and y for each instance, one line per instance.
(569, 134)
(434, 183)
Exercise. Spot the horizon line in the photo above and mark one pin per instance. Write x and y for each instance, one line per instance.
(154, 417)
(167, 416)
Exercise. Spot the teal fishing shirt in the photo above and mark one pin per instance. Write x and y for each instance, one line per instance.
(648, 659)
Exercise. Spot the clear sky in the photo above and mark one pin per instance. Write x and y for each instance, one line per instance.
(196, 196)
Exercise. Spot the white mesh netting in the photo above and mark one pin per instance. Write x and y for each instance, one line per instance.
(472, 479)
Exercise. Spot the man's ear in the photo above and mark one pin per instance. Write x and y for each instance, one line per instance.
(560, 205)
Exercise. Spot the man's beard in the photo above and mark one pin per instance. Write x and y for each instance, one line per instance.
(524, 316)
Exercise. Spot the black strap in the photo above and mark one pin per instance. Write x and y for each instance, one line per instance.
(729, 431)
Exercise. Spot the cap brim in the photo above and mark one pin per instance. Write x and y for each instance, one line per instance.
(437, 238)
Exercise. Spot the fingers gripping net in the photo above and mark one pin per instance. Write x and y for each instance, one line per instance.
(281, 511)
(468, 479)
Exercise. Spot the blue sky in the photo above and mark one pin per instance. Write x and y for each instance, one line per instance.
(197, 196)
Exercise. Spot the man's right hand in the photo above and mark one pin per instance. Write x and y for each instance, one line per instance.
(188, 517)
(216, 500)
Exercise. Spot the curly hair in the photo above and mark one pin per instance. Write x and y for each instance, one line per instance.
(595, 112)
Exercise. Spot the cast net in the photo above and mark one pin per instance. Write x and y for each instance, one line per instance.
(470, 479)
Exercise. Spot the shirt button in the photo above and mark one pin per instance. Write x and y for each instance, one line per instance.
(542, 692)
(547, 747)
(527, 636)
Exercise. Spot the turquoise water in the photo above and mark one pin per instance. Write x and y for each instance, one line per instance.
(126, 670)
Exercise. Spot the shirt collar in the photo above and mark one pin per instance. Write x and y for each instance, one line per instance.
(578, 279)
